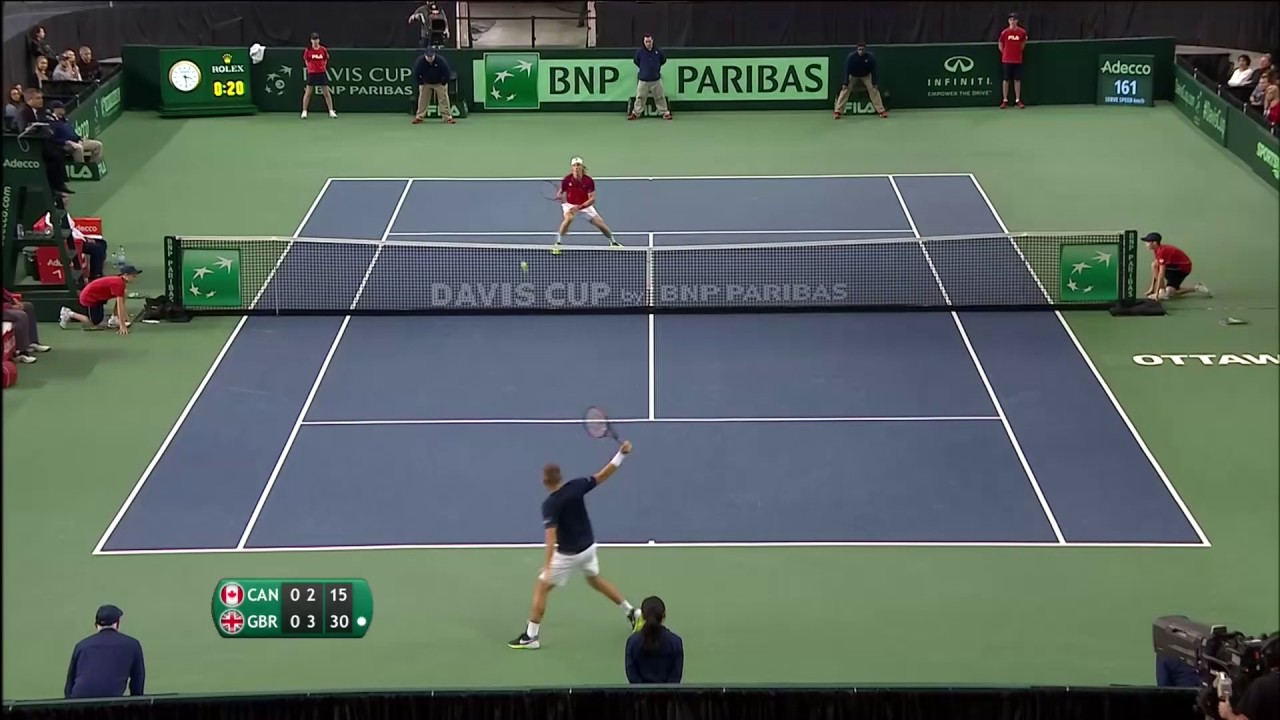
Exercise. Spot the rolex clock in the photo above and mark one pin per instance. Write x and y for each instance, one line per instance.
(205, 81)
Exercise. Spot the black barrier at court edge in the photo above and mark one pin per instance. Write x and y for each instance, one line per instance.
(653, 703)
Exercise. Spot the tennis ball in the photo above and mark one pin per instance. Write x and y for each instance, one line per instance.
(524, 266)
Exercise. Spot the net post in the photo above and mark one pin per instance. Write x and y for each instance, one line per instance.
(172, 261)
(1129, 266)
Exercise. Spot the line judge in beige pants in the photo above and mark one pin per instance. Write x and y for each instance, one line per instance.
(649, 61)
(432, 72)
(85, 149)
(860, 67)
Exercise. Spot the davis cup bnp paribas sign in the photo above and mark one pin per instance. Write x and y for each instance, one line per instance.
(527, 81)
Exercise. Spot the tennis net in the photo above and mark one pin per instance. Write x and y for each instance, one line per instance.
(318, 276)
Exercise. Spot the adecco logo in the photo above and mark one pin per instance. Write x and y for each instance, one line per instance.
(1115, 67)
(22, 164)
(958, 64)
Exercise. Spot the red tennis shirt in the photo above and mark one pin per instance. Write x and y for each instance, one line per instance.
(1012, 42)
(1172, 257)
(577, 191)
(102, 290)
(317, 59)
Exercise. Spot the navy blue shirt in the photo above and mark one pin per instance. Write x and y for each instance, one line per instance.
(566, 511)
(650, 63)
(861, 66)
(432, 73)
(104, 664)
(62, 130)
(663, 664)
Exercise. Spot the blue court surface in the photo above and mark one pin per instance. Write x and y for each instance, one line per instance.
(927, 428)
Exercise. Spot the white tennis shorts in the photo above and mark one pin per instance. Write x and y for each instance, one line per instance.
(564, 566)
(587, 211)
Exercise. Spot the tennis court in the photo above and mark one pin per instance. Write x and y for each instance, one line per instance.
(933, 428)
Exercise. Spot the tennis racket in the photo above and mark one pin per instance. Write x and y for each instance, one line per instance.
(550, 190)
(597, 424)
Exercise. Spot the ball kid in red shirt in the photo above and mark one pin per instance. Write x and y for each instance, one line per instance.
(95, 297)
(1169, 270)
(1013, 40)
(316, 58)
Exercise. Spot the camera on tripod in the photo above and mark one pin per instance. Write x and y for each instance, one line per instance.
(1227, 662)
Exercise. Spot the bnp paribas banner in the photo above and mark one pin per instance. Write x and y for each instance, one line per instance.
(528, 81)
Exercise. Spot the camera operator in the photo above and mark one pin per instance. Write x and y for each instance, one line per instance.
(435, 25)
(1261, 699)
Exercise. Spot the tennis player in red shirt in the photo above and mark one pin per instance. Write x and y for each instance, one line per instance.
(1013, 40)
(316, 58)
(95, 297)
(1169, 270)
(578, 196)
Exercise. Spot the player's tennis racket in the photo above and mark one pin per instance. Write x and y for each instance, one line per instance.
(550, 190)
(597, 424)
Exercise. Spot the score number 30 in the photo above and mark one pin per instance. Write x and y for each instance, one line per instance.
(230, 88)
(1126, 87)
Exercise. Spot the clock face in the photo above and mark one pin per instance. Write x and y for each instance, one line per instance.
(184, 75)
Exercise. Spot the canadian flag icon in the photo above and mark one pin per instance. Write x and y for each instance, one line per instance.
(232, 594)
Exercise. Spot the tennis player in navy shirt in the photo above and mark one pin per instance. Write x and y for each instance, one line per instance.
(571, 545)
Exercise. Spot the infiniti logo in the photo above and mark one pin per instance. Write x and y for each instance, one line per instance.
(958, 64)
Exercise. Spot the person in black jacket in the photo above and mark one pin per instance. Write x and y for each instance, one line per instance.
(433, 73)
(860, 67)
(654, 654)
(105, 663)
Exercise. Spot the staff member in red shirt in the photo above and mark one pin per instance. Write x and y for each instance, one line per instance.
(1013, 40)
(95, 297)
(578, 195)
(316, 58)
(1169, 270)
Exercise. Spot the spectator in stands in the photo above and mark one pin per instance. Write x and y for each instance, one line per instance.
(89, 69)
(1271, 98)
(1243, 75)
(433, 75)
(649, 61)
(23, 316)
(12, 108)
(104, 664)
(654, 654)
(860, 66)
(80, 149)
(37, 46)
(67, 69)
(95, 297)
(1262, 74)
(40, 75)
(32, 109)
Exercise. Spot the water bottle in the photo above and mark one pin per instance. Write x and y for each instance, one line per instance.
(119, 258)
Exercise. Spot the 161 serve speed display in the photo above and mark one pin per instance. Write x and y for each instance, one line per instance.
(292, 608)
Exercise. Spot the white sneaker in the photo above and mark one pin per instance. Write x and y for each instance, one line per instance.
(24, 358)
(112, 322)
(37, 347)
(333, 114)
(64, 317)
(1200, 288)
(304, 114)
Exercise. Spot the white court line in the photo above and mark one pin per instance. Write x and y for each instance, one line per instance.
(621, 421)
(660, 545)
(648, 273)
(982, 374)
(315, 386)
(195, 396)
(649, 177)
(535, 233)
(1137, 437)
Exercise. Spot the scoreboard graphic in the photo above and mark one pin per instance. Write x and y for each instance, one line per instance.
(292, 608)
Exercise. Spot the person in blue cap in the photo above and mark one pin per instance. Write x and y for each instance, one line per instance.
(107, 662)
